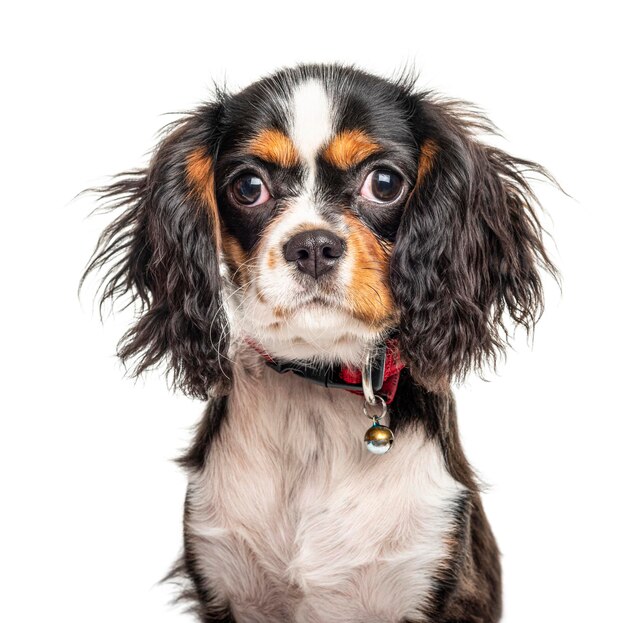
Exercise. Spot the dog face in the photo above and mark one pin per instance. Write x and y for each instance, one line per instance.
(315, 213)
(308, 205)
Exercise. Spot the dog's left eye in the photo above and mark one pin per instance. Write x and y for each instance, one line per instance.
(382, 186)
(249, 190)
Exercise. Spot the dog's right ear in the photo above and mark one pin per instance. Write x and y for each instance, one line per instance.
(162, 251)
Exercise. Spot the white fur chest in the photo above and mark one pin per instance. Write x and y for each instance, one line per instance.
(293, 520)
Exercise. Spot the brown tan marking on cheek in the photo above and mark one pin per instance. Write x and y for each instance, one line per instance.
(428, 153)
(349, 148)
(236, 258)
(274, 146)
(368, 293)
(201, 179)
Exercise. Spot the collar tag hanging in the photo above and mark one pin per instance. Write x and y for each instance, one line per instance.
(378, 438)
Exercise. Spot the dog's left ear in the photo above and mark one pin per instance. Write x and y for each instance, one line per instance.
(468, 249)
(162, 251)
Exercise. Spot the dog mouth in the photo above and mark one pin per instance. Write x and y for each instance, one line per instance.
(318, 309)
(315, 324)
(312, 303)
(332, 308)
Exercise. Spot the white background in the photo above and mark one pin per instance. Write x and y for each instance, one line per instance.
(90, 501)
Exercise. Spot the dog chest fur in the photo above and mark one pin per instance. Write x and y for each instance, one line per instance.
(292, 519)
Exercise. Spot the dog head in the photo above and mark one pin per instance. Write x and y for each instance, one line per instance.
(316, 213)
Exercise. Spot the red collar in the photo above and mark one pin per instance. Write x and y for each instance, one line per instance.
(343, 377)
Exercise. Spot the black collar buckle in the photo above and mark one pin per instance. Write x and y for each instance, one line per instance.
(329, 376)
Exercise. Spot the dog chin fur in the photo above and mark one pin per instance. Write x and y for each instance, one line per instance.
(313, 333)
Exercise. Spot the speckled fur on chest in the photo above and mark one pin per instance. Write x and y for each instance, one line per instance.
(292, 519)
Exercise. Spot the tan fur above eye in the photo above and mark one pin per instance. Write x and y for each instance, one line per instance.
(349, 148)
(273, 146)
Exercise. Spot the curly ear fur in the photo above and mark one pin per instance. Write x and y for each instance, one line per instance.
(162, 251)
(468, 250)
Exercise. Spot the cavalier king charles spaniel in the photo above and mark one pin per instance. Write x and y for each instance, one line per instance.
(319, 256)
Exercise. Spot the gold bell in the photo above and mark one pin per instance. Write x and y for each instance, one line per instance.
(378, 438)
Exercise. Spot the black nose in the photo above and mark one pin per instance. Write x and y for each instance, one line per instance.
(314, 251)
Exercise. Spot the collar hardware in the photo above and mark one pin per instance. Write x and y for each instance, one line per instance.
(384, 363)
(331, 376)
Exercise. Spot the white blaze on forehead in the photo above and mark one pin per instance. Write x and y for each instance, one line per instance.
(312, 120)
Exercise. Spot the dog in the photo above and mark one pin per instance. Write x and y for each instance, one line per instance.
(320, 256)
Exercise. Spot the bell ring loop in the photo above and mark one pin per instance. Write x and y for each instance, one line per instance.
(366, 378)
(368, 407)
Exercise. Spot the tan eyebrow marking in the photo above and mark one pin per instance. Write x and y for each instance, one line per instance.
(349, 148)
(274, 146)
(428, 152)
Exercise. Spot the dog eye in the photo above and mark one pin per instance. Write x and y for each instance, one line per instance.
(382, 186)
(249, 190)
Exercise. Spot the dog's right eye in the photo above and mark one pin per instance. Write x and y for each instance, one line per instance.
(249, 190)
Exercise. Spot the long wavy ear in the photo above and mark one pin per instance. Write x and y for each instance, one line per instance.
(469, 248)
(162, 251)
